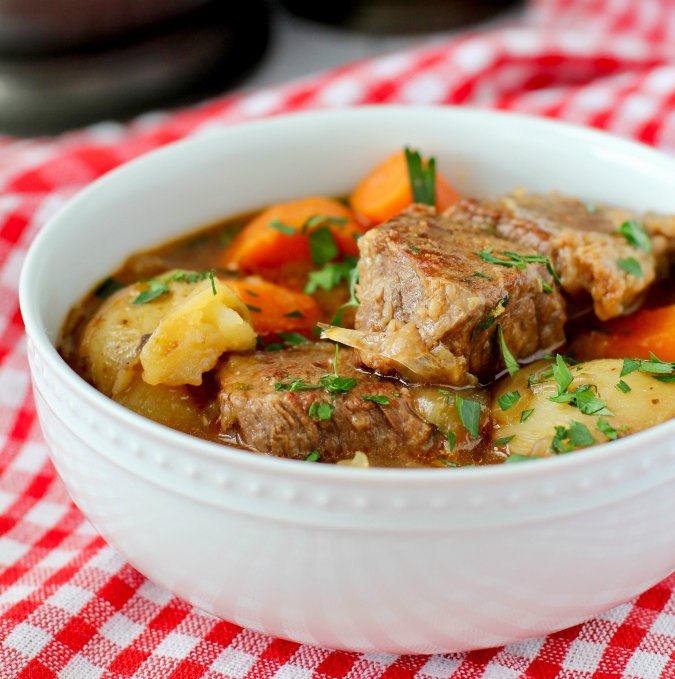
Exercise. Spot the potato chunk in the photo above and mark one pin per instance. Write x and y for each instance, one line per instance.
(173, 338)
(193, 335)
(649, 402)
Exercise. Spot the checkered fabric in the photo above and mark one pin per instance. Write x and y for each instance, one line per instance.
(69, 605)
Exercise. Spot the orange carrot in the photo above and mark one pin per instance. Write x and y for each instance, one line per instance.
(276, 309)
(385, 191)
(281, 234)
(635, 336)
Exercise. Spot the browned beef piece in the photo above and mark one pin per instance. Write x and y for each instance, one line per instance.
(583, 243)
(430, 305)
(256, 413)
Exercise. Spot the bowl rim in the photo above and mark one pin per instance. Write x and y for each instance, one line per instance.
(267, 464)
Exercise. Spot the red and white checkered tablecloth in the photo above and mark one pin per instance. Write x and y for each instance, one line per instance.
(69, 605)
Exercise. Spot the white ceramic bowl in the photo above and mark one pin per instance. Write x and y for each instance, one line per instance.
(414, 561)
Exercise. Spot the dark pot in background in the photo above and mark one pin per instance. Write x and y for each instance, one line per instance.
(398, 17)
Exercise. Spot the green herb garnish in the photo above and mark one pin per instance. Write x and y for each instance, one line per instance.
(663, 371)
(377, 398)
(322, 246)
(331, 275)
(255, 309)
(561, 374)
(469, 414)
(447, 463)
(422, 179)
(108, 287)
(284, 228)
(516, 457)
(509, 399)
(517, 261)
(294, 384)
(294, 314)
(353, 299)
(503, 441)
(525, 414)
(509, 360)
(606, 428)
(577, 435)
(317, 220)
(314, 456)
(321, 411)
(292, 339)
(335, 384)
(635, 234)
(622, 386)
(631, 266)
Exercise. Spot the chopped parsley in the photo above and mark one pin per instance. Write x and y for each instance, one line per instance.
(314, 456)
(561, 374)
(631, 266)
(321, 411)
(292, 339)
(622, 386)
(108, 287)
(414, 250)
(488, 320)
(585, 399)
(577, 435)
(294, 314)
(284, 228)
(515, 457)
(525, 414)
(654, 366)
(353, 300)
(322, 246)
(331, 275)
(160, 285)
(294, 384)
(377, 398)
(447, 463)
(509, 399)
(275, 346)
(635, 234)
(255, 309)
(318, 220)
(450, 437)
(509, 360)
(517, 261)
(606, 428)
(469, 414)
(422, 179)
(504, 440)
(335, 384)
(478, 274)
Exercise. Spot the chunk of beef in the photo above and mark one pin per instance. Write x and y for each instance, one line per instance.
(584, 244)
(430, 305)
(256, 413)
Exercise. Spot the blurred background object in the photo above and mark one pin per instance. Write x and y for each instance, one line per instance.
(397, 17)
(67, 63)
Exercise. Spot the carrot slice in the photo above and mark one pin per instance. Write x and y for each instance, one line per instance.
(276, 309)
(280, 234)
(635, 336)
(385, 191)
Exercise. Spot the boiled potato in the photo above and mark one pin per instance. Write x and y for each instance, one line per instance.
(193, 335)
(649, 402)
(439, 407)
(170, 340)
